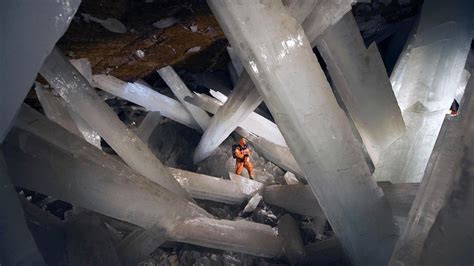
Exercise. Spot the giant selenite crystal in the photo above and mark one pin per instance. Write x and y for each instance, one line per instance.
(326, 14)
(54, 107)
(256, 123)
(201, 186)
(241, 103)
(83, 100)
(445, 196)
(361, 80)
(57, 111)
(154, 101)
(245, 97)
(426, 86)
(278, 57)
(77, 172)
(279, 155)
(180, 90)
(142, 95)
(21, 58)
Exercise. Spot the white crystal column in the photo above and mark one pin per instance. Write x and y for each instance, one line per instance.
(180, 90)
(251, 121)
(77, 172)
(201, 186)
(83, 100)
(241, 103)
(146, 97)
(152, 100)
(326, 14)
(279, 155)
(57, 111)
(245, 97)
(280, 61)
(21, 58)
(360, 78)
(294, 198)
(83, 65)
(427, 86)
(451, 238)
(300, 199)
(87, 132)
(300, 9)
(450, 162)
(240, 236)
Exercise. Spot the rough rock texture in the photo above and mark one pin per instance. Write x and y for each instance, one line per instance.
(116, 54)
(145, 48)
(377, 20)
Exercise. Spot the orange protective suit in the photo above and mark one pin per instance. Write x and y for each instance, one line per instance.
(242, 160)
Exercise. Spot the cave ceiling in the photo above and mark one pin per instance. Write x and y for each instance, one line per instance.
(194, 43)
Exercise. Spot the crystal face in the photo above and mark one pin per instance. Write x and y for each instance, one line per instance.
(426, 80)
(272, 46)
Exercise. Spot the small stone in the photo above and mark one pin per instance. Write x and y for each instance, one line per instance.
(165, 23)
(140, 54)
(194, 49)
(173, 260)
(253, 203)
(291, 179)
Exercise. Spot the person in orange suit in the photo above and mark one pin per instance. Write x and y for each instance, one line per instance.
(242, 158)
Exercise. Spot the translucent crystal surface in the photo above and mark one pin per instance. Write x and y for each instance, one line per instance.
(146, 97)
(360, 78)
(238, 109)
(449, 163)
(426, 86)
(180, 90)
(278, 56)
(83, 100)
